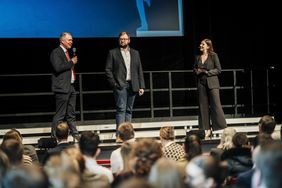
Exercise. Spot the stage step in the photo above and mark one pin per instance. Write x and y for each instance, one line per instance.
(148, 129)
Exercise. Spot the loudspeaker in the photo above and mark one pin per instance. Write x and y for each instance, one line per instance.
(200, 133)
(45, 143)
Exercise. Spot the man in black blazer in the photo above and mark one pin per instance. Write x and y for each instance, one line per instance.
(125, 75)
(63, 77)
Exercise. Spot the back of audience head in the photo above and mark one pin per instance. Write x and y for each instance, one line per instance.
(226, 138)
(126, 131)
(14, 151)
(125, 151)
(165, 174)
(192, 146)
(75, 154)
(240, 140)
(88, 143)
(167, 133)
(26, 177)
(62, 131)
(145, 153)
(268, 164)
(4, 164)
(135, 183)
(205, 171)
(267, 124)
(63, 171)
(13, 134)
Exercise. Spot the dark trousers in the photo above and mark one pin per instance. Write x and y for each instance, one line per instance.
(124, 98)
(210, 108)
(65, 110)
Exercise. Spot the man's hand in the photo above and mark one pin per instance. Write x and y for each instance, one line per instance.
(141, 92)
(74, 60)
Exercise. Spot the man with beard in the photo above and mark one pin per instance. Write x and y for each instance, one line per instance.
(125, 75)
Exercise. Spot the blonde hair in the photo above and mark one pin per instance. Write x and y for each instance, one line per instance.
(167, 133)
(226, 138)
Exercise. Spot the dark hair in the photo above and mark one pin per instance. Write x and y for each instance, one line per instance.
(62, 130)
(89, 142)
(267, 124)
(13, 149)
(240, 139)
(192, 146)
(13, 134)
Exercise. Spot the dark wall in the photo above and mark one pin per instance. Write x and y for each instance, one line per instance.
(237, 31)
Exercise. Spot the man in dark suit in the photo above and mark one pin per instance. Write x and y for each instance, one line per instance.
(62, 133)
(125, 75)
(63, 77)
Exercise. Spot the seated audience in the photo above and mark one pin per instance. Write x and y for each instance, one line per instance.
(165, 174)
(171, 149)
(89, 147)
(205, 171)
(29, 150)
(225, 142)
(125, 134)
(268, 166)
(127, 171)
(238, 158)
(31, 176)
(62, 134)
(13, 148)
(145, 153)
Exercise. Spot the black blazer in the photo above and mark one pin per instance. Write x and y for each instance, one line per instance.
(214, 69)
(116, 70)
(61, 74)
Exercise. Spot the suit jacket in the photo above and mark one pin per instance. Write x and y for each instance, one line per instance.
(116, 70)
(61, 74)
(214, 69)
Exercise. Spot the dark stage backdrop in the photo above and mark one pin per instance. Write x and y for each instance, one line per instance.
(237, 31)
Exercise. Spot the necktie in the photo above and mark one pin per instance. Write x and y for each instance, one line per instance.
(73, 71)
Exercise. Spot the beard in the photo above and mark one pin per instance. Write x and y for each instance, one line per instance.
(123, 46)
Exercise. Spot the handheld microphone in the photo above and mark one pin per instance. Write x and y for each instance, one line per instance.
(74, 51)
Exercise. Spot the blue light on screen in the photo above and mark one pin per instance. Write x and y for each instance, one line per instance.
(90, 18)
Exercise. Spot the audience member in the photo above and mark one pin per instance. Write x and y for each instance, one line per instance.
(267, 124)
(127, 171)
(63, 171)
(4, 165)
(136, 183)
(244, 179)
(14, 150)
(239, 158)
(268, 166)
(171, 149)
(88, 179)
(225, 142)
(62, 134)
(29, 150)
(205, 171)
(89, 147)
(145, 152)
(31, 176)
(125, 133)
(165, 174)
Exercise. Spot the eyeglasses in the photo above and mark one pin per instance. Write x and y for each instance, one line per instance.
(123, 38)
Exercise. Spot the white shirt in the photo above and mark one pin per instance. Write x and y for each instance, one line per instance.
(92, 166)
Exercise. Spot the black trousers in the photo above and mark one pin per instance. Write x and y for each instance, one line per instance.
(210, 109)
(65, 110)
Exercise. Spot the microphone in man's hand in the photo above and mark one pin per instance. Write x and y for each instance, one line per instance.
(74, 51)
